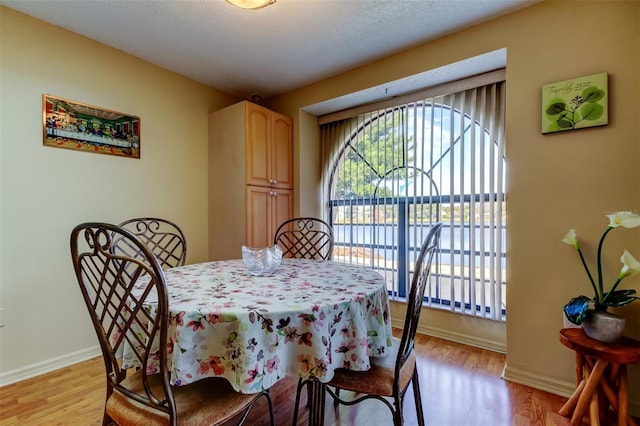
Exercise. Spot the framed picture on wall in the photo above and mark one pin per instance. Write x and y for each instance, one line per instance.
(74, 125)
(575, 104)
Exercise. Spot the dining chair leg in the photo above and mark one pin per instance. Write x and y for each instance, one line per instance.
(267, 395)
(107, 420)
(301, 383)
(317, 390)
(416, 396)
(397, 413)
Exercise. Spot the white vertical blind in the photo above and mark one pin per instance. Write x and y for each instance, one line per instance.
(391, 173)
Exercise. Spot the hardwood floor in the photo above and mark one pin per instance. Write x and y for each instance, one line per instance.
(461, 386)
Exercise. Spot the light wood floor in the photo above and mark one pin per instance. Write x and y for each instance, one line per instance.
(461, 386)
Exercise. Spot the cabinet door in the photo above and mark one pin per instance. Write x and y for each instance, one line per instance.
(281, 151)
(258, 145)
(267, 208)
(281, 207)
(258, 220)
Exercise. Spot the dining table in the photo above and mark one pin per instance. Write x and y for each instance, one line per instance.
(304, 320)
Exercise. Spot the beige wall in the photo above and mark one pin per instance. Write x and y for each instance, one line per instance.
(46, 191)
(555, 182)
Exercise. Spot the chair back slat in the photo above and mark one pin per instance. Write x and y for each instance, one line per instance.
(305, 237)
(128, 304)
(165, 239)
(416, 294)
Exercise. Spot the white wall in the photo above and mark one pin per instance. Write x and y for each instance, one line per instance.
(46, 191)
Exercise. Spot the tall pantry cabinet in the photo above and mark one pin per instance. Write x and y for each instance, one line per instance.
(250, 177)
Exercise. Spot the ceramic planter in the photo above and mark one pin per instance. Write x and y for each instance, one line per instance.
(603, 326)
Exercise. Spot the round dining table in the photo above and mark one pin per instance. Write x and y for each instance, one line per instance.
(305, 320)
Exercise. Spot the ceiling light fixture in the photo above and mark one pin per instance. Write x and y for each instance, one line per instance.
(251, 4)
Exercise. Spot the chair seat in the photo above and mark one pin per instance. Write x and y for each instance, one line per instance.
(379, 379)
(205, 402)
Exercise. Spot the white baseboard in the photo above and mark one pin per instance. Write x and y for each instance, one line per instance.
(464, 339)
(548, 384)
(47, 366)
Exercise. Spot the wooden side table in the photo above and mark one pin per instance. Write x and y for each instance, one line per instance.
(601, 377)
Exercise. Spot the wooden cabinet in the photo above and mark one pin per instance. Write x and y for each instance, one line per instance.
(250, 177)
(267, 208)
(269, 148)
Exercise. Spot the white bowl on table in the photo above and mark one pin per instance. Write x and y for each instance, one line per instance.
(262, 261)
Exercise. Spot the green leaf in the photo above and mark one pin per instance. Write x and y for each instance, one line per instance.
(564, 123)
(621, 298)
(556, 107)
(553, 127)
(576, 309)
(380, 319)
(577, 117)
(228, 317)
(592, 94)
(591, 111)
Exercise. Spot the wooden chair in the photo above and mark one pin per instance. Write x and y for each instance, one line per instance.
(136, 397)
(165, 239)
(390, 376)
(305, 237)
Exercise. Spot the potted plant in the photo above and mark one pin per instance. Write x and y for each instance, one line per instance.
(579, 311)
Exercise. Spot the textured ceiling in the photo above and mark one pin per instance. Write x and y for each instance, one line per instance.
(268, 51)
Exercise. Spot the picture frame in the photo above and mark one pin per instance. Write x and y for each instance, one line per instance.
(82, 127)
(575, 104)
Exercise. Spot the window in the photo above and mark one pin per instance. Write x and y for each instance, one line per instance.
(390, 174)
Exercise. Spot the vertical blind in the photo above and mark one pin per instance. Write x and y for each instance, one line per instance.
(392, 170)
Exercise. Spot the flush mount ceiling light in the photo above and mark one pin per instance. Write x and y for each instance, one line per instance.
(251, 4)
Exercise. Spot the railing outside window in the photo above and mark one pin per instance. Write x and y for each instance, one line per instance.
(391, 248)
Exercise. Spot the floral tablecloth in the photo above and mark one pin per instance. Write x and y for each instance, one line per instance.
(307, 319)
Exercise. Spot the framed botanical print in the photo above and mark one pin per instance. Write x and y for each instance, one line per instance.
(575, 104)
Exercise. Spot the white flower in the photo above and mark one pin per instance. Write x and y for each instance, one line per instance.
(571, 239)
(577, 307)
(631, 265)
(625, 219)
